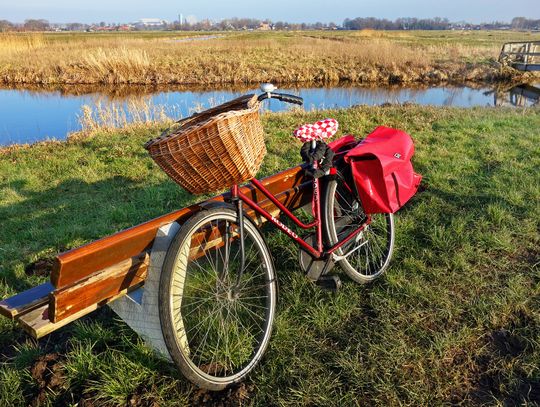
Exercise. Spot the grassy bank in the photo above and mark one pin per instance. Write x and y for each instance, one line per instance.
(254, 57)
(456, 319)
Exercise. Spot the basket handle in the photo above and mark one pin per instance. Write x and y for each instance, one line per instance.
(243, 102)
(186, 119)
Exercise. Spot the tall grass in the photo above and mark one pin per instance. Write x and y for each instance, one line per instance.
(134, 113)
(365, 56)
(121, 61)
(20, 43)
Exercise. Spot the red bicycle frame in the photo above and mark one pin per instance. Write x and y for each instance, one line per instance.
(317, 252)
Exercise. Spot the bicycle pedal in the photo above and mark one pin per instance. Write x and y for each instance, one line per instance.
(332, 283)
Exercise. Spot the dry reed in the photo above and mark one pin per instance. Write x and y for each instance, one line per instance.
(365, 56)
(135, 113)
(20, 43)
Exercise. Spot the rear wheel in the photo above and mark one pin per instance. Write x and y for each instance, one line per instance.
(367, 255)
(216, 324)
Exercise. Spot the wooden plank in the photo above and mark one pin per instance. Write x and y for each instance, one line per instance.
(76, 264)
(98, 287)
(213, 238)
(526, 67)
(79, 263)
(37, 323)
(533, 54)
(26, 301)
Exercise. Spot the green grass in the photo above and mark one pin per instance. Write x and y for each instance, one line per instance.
(456, 319)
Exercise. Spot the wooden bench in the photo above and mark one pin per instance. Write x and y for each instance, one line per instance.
(102, 271)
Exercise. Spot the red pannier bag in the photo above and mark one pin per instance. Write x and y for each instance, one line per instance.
(382, 170)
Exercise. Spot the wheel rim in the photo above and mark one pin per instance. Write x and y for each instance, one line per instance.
(369, 253)
(221, 323)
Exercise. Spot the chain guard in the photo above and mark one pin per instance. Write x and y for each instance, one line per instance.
(312, 267)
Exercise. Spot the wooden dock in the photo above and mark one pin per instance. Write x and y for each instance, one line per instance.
(523, 56)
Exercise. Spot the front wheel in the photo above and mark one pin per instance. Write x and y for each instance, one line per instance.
(367, 256)
(217, 321)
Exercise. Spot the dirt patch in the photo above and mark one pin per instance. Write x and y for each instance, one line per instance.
(507, 344)
(85, 403)
(498, 371)
(140, 397)
(235, 396)
(47, 373)
(40, 268)
(528, 390)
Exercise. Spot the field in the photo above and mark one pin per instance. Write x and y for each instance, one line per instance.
(456, 319)
(254, 57)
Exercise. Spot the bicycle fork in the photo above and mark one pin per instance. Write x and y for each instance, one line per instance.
(240, 216)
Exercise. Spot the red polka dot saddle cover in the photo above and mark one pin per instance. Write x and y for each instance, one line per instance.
(316, 131)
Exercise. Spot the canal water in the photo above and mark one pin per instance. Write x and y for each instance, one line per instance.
(27, 116)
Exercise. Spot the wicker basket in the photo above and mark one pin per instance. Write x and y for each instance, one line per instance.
(214, 149)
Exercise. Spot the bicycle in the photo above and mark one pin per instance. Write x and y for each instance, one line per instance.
(218, 289)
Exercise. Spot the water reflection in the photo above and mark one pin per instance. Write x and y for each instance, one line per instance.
(36, 113)
(518, 96)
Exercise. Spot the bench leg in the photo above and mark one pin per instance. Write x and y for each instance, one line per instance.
(139, 309)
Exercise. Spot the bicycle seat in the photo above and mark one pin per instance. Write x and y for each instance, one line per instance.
(316, 131)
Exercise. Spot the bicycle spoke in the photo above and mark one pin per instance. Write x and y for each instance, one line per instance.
(222, 325)
(371, 250)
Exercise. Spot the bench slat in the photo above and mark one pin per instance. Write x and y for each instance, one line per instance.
(98, 287)
(26, 301)
(37, 324)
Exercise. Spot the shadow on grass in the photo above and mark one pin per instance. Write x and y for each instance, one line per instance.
(505, 348)
(75, 212)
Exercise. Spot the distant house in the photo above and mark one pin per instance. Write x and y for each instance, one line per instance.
(150, 23)
(265, 27)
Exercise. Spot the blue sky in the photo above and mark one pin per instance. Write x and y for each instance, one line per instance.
(286, 10)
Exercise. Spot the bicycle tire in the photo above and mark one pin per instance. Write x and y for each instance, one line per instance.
(189, 288)
(371, 251)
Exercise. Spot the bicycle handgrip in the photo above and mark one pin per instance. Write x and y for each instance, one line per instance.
(297, 100)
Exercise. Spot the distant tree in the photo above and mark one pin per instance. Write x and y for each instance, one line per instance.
(6, 25)
(522, 23)
(75, 26)
(36, 25)
(362, 23)
(204, 25)
(519, 23)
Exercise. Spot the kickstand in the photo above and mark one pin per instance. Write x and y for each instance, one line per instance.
(320, 277)
(332, 282)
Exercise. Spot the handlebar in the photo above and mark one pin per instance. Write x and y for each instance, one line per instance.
(284, 97)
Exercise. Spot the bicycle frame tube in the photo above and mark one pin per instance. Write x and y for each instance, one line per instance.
(315, 252)
(236, 193)
(289, 214)
(316, 209)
